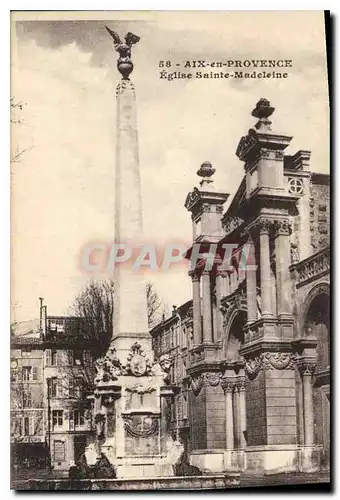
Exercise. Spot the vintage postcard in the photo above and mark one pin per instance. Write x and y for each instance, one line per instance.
(170, 250)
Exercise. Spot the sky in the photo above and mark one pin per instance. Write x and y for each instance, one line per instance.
(64, 71)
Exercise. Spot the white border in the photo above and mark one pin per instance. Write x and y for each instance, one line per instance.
(5, 8)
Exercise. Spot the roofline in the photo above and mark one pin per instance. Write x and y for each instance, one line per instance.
(170, 318)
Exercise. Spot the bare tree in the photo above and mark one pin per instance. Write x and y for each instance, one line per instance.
(17, 120)
(95, 305)
(21, 405)
(156, 306)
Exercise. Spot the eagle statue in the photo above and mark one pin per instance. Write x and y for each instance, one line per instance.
(125, 65)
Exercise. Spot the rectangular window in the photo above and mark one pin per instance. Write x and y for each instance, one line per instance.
(48, 357)
(26, 426)
(185, 405)
(78, 387)
(59, 451)
(35, 372)
(26, 373)
(53, 326)
(71, 387)
(78, 358)
(57, 418)
(14, 425)
(26, 400)
(54, 357)
(70, 357)
(79, 419)
(60, 327)
(54, 387)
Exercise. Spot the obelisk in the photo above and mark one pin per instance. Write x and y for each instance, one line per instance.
(132, 390)
(130, 304)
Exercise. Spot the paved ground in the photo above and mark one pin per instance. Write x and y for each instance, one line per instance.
(285, 479)
(316, 481)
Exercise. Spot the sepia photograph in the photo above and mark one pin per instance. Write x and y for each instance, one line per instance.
(170, 250)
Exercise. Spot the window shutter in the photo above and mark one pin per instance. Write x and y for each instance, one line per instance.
(71, 421)
(59, 358)
(48, 357)
(35, 372)
(59, 388)
(32, 425)
(71, 387)
(70, 357)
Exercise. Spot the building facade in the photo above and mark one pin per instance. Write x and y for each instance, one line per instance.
(251, 350)
(51, 376)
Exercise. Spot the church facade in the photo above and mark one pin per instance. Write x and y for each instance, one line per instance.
(250, 351)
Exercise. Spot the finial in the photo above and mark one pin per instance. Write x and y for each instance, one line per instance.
(206, 170)
(263, 110)
(124, 64)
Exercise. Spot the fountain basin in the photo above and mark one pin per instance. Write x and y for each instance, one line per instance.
(208, 482)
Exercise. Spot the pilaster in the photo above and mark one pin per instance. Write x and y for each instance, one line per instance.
(251, 284)
(207, 308)
(282, 250)
(197, 315)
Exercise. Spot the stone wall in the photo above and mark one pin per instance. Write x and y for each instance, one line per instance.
(256, 410)
(319, 215)
(215, 417)
(198, 422)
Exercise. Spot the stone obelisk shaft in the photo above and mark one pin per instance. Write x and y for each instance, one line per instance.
(130, 312)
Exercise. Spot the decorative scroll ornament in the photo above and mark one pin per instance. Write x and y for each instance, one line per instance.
(238, 300)
(245, 145)
(212, 378)
(227, 385)
(108, 367)
(313, 266)
(141, 389)
(197, 384)
(265, 225)
(270, 361)
(278, 360)
(306, 366)
(207, 378)
(283, 226)
(192, 198)
(162, 367)
(141, 426)
(253, 366)
(241, 301)
(279, 155)
(231, 223)
(137, 363)
(265, 153)
(241, 385)
(294, 253)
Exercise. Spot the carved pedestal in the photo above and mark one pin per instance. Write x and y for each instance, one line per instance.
(130, 415)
